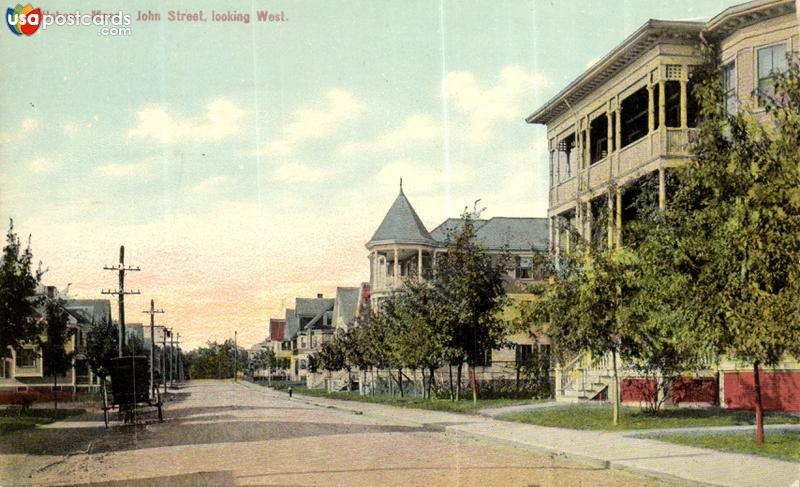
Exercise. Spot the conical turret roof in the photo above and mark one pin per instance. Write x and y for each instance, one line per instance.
(401, 225)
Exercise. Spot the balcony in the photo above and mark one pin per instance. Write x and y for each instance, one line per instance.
(643, 154)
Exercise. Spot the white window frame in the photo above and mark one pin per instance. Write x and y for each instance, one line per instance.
(756, 50)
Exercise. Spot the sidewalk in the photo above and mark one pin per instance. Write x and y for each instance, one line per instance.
(617, 450)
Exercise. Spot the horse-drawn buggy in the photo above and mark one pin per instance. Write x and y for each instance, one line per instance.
(130, 389)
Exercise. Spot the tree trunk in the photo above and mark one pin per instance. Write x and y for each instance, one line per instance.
(372, 381)
(616, 399)
(363, 380)
(452, 393)
(400, 381)
(55, 390)
(458, 384)
(422, 384)
(474, 386)
(759, 405)
(430, 380)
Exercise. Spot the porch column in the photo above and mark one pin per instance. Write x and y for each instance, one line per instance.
(588, 160)
(684, 99)
(619, 217)
(618, 128)
(662, 189)
(610, 132)
(395, 269)
(557, 233)
(419, 263)
(651, 120)
(610, 220)
(578, 147)
(587, 232)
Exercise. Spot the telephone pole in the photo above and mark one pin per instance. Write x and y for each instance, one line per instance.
(171, 358)
(177, 356)
(166, 332)
(235, 355)
(121, 292)
(152, 312)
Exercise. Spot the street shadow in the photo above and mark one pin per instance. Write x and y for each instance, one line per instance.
(198, 479)
(71, 440)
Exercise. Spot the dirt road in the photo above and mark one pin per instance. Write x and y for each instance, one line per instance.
(219, 433)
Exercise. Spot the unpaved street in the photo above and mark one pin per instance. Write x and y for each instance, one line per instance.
(219, 433)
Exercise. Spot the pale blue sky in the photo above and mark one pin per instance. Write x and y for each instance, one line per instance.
(244, 165)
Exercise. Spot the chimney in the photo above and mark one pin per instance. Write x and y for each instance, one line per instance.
(319, 295)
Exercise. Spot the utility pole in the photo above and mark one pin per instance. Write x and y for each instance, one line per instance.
(167, 331)
(177, 357)
(171, 359)
(152, 314)
(121, 292)
(235, 355)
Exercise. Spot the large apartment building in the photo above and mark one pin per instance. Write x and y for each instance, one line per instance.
(627, 120)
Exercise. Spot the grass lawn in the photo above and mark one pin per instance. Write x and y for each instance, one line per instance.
(784, 445)
(598, 417)
(14, 420)
(463, 406)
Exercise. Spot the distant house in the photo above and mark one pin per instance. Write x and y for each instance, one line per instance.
(89, 313)
(312, 318)
(25, 369)
(346, 306)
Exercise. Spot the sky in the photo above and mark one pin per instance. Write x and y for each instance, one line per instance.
(243, 165)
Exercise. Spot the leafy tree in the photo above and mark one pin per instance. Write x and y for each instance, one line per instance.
(55, 357)
(263, 360)
(418, 340)
(215, 360)
(738, 209)
(18, 298)
(471, 282)
(101, 346)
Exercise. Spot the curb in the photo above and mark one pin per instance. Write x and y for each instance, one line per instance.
(583, 459)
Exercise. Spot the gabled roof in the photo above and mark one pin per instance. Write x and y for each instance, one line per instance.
(401, 225)
(312, 306)
(344, 308)
(523, 234)
(500, 233)
(450, 227)
(89, 311)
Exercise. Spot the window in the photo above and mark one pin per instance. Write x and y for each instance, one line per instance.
(523, 354)
(771, 60)
(26, 357)
(524, 266)
(729, 84)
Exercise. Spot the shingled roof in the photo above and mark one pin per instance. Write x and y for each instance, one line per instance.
(498, 233)
(401, 225)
